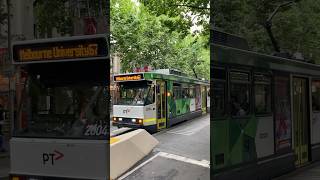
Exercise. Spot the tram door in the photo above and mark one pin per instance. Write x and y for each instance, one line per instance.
(300, 120)
(161, 104)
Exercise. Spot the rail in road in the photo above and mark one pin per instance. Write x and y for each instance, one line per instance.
(183, 152)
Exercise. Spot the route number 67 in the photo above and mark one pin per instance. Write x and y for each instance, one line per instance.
(96, 130)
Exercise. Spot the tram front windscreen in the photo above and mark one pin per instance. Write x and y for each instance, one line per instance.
(59, 102)
(136, 93)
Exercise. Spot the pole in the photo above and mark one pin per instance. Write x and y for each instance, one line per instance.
(11, 77)
(268, 25)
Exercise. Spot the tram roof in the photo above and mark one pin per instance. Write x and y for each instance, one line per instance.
(223, 55)
(157, 75)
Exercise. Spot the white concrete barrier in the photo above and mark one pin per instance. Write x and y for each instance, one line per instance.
(127, 149)
(119, 131)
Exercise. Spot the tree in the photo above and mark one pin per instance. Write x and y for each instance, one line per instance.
(142, 38)
(295, 27)
(186, 10)
(60, 14)
(50, 15)
(3, 14)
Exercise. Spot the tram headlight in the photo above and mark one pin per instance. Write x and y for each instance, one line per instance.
(140, 121)
(133, 120)
(120, 119)
(114, 119)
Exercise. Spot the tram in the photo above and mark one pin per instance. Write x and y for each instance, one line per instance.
(62, 119)
(158, 99)
(265, 111)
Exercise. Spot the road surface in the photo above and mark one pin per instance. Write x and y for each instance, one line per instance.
(182, 154)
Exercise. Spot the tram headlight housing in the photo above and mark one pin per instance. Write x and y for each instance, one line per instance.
(120, 119)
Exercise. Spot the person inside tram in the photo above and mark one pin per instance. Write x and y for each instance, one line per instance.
(236, 109)
(81, 118)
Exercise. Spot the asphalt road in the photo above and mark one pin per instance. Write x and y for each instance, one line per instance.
(183, 153)
(309, 172)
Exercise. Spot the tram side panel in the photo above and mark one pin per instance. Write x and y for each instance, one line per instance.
(249, 141)
(183, 104)
(315, 119)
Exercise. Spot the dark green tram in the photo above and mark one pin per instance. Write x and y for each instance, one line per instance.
(265, 117)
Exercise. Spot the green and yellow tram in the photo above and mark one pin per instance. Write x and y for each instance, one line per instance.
(266, 112)
(158, 99)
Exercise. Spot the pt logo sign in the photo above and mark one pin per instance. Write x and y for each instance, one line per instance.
(126, 111)
(51, 157)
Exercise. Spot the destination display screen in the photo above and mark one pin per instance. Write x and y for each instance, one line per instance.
(61, 50)
(131, 77)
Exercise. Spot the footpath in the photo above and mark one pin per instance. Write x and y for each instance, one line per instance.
(4, 165)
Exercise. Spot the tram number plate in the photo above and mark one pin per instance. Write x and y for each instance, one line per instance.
(96, 130)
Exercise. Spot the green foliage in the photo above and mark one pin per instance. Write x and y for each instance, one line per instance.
(179, 8)
(60, 14)
(52, 14)
(3, 15)
(142, 38)
(295, 27)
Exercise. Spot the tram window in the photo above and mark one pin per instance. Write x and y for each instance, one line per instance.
(262, 94)
(136, 93)
(176, 91)
(43, 104)
(191, 92)
(219, 99)
(262, 99)
(150, 97)
(316, 95)
(240, 104)
(64, 101)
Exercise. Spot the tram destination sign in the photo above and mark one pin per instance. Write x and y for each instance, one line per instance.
(130, 77)
(60, 49)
